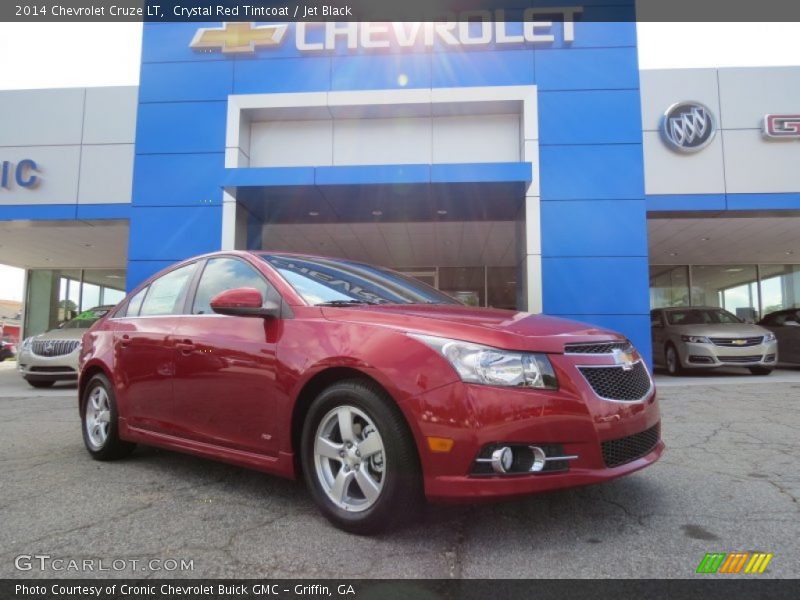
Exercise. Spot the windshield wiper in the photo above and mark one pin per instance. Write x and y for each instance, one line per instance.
(345, 302)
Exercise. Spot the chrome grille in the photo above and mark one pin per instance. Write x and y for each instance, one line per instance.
(624, 450)
(596, 348)
(618, 383)
(741, 342)
(54, 347)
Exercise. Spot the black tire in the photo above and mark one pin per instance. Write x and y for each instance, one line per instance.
(760, 370)
(401, 495)
(113, 448)
(40, 383)
(674, 367)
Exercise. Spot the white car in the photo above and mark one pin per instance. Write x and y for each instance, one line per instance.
(53, 356)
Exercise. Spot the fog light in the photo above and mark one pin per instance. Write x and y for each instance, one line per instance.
(539, 459)
(502, 459)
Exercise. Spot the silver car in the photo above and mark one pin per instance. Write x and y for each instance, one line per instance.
(707, 337)
(53, 356)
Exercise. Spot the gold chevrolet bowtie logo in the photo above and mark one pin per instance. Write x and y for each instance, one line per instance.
(238, 37)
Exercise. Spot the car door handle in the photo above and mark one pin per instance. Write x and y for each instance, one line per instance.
(185, 346)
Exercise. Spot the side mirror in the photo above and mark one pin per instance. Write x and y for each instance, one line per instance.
(244, 302)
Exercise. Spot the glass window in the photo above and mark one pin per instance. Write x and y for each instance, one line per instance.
(465, 284)
(780, 287)
(502, 287)
(222, 274)
(167, 293)
(341, 282)
(732, 287)
(87, 318)
(699, 316)
(669, 286)
(134, 304)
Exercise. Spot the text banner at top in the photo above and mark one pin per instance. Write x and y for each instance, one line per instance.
(397, 10)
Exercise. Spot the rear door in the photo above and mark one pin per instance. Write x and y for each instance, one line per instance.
(226, 387)
(144, 355)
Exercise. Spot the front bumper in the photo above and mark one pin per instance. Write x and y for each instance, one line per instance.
(574, 418)
(711, 356)
(48, 368)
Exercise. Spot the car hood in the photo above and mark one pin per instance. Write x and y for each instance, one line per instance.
(62, 334)
(729, 330)
(507, 329)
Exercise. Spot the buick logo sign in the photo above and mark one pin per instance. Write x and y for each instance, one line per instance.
(688, 126)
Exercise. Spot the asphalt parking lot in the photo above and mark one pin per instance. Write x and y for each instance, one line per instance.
(729, 481)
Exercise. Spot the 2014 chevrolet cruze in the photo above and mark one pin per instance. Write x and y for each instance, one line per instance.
(377, 389)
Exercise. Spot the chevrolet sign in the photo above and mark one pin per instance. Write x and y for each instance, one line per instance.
(478, 28)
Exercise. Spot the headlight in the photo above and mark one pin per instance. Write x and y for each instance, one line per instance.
(489, 366)
(26, 344)
(695, 339)
(770, 337)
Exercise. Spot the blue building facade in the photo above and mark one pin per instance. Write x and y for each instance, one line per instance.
(579, 183)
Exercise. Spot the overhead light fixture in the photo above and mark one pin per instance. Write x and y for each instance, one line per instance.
(441, 212)
(673, 254)
(789, 252)
(313, 213)
(734, 270)
(704, 239)
(377, 213)
(88, 245)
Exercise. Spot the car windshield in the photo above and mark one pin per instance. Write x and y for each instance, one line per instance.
(85, 319)
(335, 282)
(701, 316)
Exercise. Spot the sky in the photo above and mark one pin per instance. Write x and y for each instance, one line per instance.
(97, 54)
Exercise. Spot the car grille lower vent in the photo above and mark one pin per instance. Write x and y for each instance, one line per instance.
(618, 383)
(598, 348)
(54, 347)
(627, 449)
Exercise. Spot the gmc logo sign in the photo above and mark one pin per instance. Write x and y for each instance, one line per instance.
(782, 126)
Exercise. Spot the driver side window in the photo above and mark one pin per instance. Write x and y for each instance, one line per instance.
(225, 273)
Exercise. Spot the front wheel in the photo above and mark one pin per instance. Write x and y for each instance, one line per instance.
(359, 458)
(672, 360)
(100, 421)
(761, 370)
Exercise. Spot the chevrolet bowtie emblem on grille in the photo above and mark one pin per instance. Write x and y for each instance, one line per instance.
(739, 342)
(234, 38)
(623, 358)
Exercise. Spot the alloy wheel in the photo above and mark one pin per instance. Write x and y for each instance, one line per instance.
(98, 417)
(349, 458)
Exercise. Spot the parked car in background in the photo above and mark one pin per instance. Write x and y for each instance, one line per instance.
(7, 350)
(785, 324)
(376, 388)
(53, 356)
(707, 337)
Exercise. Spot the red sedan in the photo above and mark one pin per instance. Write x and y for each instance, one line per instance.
(377, 389)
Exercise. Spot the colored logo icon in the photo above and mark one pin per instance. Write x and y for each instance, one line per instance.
(688, 126)
(238, 37)
(733, 563)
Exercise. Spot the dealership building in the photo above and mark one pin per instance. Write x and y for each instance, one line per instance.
(518, 166)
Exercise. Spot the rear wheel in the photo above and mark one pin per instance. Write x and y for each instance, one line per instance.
(761, 370)
(672, 360)
(100, 421)
(41, 383)
(359, 458)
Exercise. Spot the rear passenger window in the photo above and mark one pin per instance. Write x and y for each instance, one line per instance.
(167, 293)
(135, 304)
(223, 274)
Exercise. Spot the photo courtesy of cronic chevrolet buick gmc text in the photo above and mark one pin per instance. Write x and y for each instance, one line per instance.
(377, 389)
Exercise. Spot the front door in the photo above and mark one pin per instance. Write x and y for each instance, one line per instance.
(225, 366)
